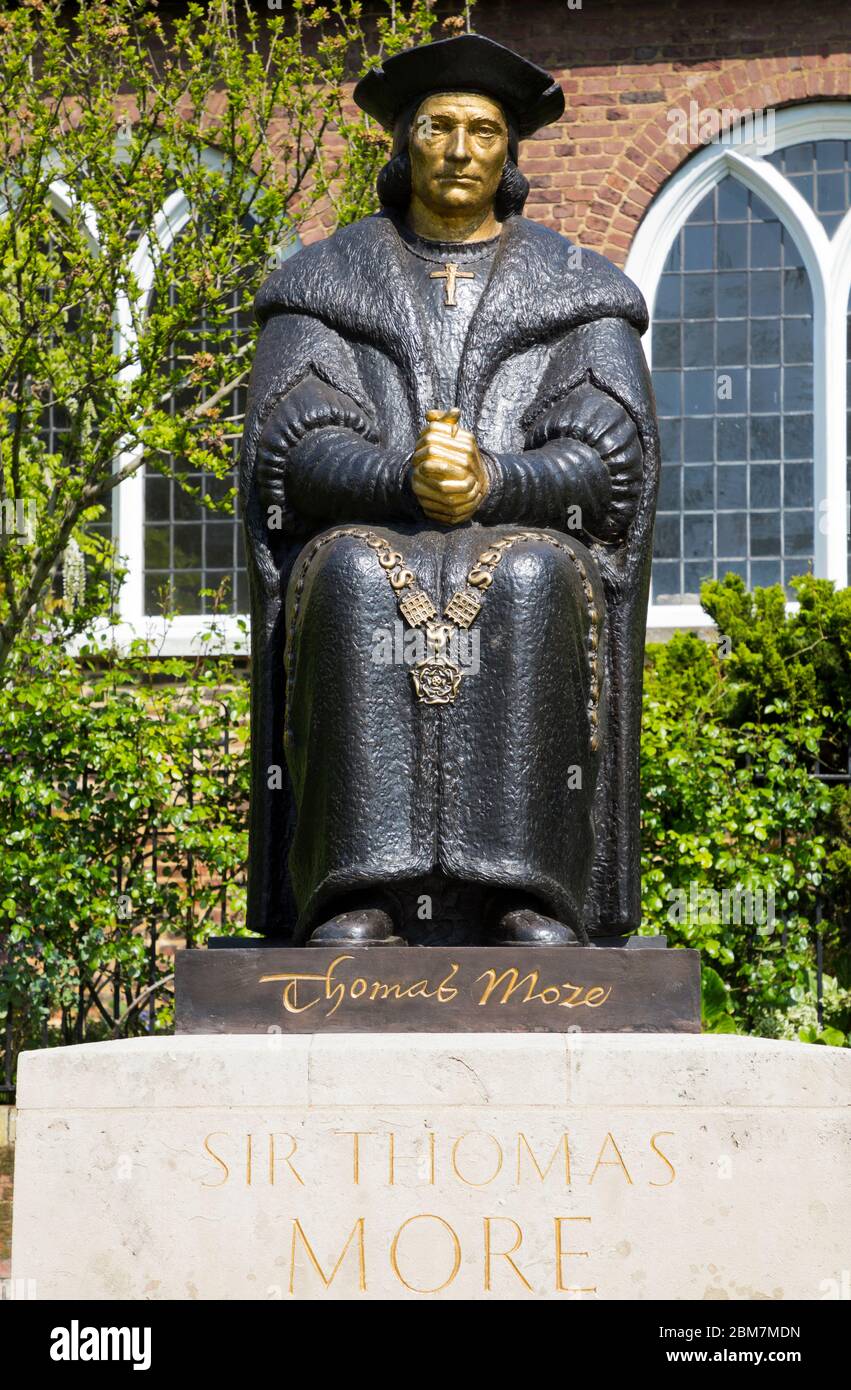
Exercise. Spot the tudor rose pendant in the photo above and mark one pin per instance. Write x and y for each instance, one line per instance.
(437, 679)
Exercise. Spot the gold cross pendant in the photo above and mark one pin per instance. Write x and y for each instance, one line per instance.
(450, 274)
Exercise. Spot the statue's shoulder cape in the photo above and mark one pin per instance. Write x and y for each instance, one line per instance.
(541, 279)
(541, 288)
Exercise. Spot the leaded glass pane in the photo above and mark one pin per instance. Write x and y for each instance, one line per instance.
(821, 172)
(190, 547)
(732, 356)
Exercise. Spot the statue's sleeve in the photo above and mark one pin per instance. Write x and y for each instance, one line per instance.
(319, 458)
(583, 451)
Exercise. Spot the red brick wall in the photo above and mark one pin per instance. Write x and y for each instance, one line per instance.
(625, 63)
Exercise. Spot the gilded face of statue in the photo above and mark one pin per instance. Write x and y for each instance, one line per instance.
(458, 146)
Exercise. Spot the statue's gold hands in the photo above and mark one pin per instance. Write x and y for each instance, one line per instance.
(448, 474)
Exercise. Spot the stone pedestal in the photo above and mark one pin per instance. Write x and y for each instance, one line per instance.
(468, 1166)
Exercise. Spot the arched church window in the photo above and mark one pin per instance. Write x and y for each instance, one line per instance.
(179, 530)
(194, 553)
(732, 355)
(745, 260)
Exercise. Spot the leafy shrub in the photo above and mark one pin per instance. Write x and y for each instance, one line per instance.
(735, 825)
(123, 794)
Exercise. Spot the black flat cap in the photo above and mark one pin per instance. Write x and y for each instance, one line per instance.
(469, 63)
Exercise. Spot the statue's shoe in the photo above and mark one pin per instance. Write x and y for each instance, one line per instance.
(368, 926)
(525, 927)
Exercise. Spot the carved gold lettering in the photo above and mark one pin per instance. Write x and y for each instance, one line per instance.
(292, 978)
(215, 1156)
(394, 1253)
(491, 1254)
(337, 992)
(562, 1144)
(616, 1162)
(562, 1255)
(597, 996)
(327, 1280)
(446, 992)
(382, 991)
(512, 974)
(285, 1158)
(357, 1135)
(289, 995)
(564, 995)
(333, 991)
(470, 1182)
(417, 1155)
(654, 1146)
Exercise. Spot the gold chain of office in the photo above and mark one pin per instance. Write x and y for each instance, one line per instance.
(437, 678)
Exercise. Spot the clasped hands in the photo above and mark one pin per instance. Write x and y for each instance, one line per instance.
(448, 474)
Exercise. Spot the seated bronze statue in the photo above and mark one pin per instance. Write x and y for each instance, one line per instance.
(449, 473)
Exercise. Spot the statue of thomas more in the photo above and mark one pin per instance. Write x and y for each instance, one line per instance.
(449, 472)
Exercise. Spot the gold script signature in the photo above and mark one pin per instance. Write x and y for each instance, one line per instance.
(498, 988)
(358, 988)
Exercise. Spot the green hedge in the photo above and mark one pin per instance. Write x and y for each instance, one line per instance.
(105, 756)
(735, 825)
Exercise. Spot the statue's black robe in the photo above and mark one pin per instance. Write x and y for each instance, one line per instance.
(389, 790)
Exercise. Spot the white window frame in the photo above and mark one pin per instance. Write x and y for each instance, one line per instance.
(828, 264)
(183, 635)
